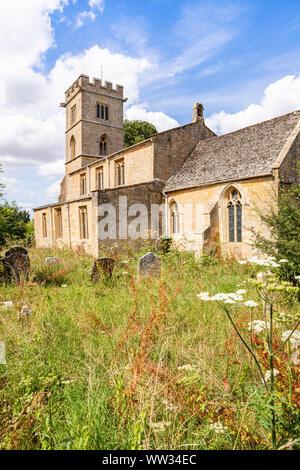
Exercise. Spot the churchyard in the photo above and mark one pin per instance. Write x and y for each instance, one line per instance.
(127, 360)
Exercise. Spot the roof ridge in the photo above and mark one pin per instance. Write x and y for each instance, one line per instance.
(253, 125)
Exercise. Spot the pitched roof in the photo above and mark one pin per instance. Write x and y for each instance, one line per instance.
(244, 153)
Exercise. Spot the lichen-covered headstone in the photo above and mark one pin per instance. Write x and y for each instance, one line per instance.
(102, 265)
(16, 264)
(25, 312)
(149, 265)
(2, 353)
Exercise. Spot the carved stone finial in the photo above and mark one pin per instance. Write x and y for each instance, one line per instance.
(198, 112)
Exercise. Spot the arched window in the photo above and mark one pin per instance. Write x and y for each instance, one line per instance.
(73, 147)
(235, 209)
(106, 113)
(103, 147)
(174, 218)
(102, 112)
(98, 111)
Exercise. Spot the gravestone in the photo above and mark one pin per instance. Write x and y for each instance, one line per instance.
(163, 244)
(106, 265)
(25, 312)
(6, 305)
(149, 265)
(2, 353)
(52, 260)
(15, 264)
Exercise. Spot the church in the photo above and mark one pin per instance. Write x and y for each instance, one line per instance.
(201, 189)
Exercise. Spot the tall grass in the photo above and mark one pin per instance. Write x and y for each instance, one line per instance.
(127, 364)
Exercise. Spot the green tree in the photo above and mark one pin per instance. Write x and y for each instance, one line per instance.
(14, 223)
(137, 131)
(283, 224)
(1, 184)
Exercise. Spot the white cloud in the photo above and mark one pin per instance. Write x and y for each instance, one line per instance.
(52, 169)
(82, 16)
(280, 97)
(160, 120)
(53, 190)
(99, 4)
(11, 184)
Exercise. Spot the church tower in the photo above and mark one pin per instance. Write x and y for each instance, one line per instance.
(94, 121)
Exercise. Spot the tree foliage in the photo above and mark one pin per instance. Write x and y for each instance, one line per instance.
(14, 223)
(136, 131)
(283, 225)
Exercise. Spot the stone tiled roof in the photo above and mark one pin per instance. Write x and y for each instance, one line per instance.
(244, 153)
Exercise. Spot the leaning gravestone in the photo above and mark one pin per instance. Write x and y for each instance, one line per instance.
(163, 244)
(149, 265)
(15, 264)
(106, 265)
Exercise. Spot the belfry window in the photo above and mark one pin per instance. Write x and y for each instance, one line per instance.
(234, 208)
(103, 147)
(73, 114)
(174, 218)
(98, 111)
(102, 112)
(73, 147)
(106, 113)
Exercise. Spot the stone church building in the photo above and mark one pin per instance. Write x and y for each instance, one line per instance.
(205, 186)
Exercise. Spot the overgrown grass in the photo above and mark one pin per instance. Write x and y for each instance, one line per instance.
(128, 364)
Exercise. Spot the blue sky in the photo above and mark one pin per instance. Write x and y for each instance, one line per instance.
(241, 59)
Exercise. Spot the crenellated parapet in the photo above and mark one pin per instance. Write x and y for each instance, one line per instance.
(96, 86)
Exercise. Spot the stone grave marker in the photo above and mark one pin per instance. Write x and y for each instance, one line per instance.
(2, 353)
(106, 265)
(52, 260)
(15, 264)
(163, 244)
(149, 265)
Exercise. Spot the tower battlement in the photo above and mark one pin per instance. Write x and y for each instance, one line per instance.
(96, 86)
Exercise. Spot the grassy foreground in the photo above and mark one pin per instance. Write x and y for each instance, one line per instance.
(128, 364)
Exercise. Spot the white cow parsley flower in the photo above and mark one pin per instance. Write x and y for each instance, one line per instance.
(294, 339)
(251, 303)
(258, 326)
(268, 374)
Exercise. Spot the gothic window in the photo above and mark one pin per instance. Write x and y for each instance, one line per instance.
(174, 218)
(120, 172)
(83, 184)
(98, 111)
(73, 146)
(58, 223)
(234, 208)
(102, 112)
(44, 225)
(100, 178)
(103, 147)
(83, 219)
(106, 113)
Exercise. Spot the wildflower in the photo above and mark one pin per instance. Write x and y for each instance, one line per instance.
(204, 296)
(251, 303)
(125, 273)
(240, 261)
(241, 291)
(188, 367)
(7, 304)
(297, 278)
(64, 285)
(257, 326)
(268, 374)
(160, 426)
(294, 338)
(296, 357)
(219, 428)
(283, 260)
(229, 301)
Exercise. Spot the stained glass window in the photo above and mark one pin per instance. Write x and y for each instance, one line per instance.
(231, 222)
(234, 217)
